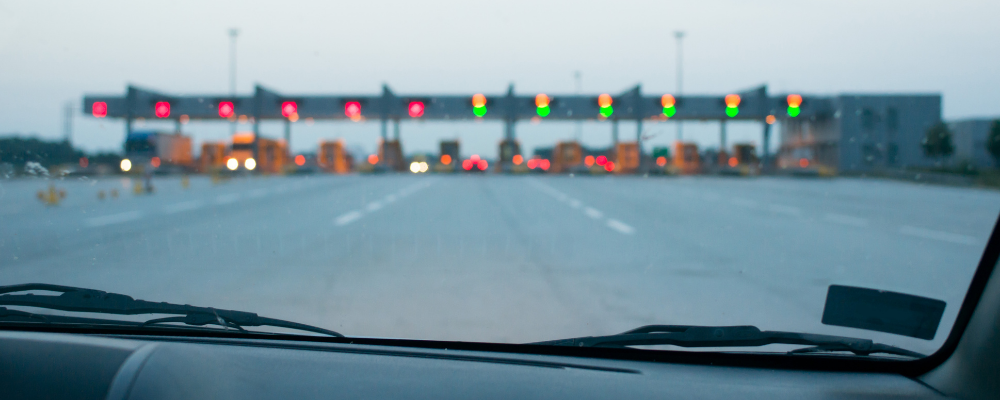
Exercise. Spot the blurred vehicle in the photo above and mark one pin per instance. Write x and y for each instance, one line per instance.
(475, 164)
(262, 155)
(162, 152)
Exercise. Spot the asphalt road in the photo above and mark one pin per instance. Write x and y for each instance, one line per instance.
(505, 258)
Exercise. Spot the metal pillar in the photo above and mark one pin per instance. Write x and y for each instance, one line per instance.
(177, 125)
(722, 136)
(395, 129)
(614, 132)
(128, 126)
(680, 81)
(233, 32)
(508, 130)
(68, 122)
(288, 134)
(384, 130)
(765, 153)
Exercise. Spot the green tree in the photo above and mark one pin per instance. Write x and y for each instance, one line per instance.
(937, 142)
(993, 141)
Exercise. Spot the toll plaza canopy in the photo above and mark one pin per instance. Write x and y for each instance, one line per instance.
(265, 104)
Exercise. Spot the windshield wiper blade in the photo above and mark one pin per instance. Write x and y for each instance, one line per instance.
(730, 336)
(96, 301)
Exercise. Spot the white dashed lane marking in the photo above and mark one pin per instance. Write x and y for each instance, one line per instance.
(227, 198)
(846, 220)
(183, 206)
(591, 212)
(620, 226)
(347, 218)
(374, 206)
(114, 219)
(939, 235)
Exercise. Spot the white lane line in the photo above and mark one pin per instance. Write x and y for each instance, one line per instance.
(846, 220)
(592, 213)
(347, 218)
(939, 235)
(113, 218)
(378, 205)
(786, 210)
(620, 226)
(227, 198)
(183, 206)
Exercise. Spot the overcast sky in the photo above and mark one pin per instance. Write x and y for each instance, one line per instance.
(54, 52)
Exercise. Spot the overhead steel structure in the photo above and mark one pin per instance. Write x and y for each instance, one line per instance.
(509, 107)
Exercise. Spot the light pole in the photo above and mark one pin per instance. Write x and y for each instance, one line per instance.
(680, 81)
(233, 33)
(579, 88)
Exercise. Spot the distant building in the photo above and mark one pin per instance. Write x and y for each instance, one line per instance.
(969, 137)
(861, 132)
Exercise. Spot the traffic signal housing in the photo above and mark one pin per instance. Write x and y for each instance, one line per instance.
(479, 105)
(542, 105)
(604, 102)
(669, 104)
(794, 105)
(732, 105)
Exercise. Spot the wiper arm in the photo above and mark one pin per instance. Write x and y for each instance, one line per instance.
(730, 336)
(97, 301)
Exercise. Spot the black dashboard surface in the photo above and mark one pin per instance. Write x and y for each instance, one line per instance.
(49, 365)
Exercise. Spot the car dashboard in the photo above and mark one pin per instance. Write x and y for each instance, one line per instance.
(75, 366)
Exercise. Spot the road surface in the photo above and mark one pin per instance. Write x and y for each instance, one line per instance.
(504, 258)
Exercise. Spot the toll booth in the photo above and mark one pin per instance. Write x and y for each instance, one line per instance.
(745, 153)
(448, 156)
(686, 160)
(333, 157)
(213, 157)
(272, 155)
(626, 157)
(390, 154)
(508, 150)
(661, 156)
(567, 156)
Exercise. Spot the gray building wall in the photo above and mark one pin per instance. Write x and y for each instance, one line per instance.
(969, 137)
(864, 132)
(884, 131)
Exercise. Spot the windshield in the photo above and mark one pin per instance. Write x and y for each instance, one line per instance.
(513, 172)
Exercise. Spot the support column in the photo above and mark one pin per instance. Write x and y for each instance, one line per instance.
(288, 134)
(722, 136)
(638, 134)
(395, 129)
(177, 125)
(508, 130)
(384, 130)
(128, 127)
(765, 153)
(614, 132)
